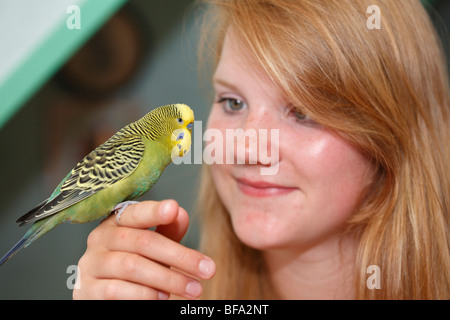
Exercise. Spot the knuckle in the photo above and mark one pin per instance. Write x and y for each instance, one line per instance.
(185, 256)
(189, 257)
(108, 258)
(83, 263)
(136, 211)
(87, 289)
(128, 264)
(144, 240)
(177, 284)
(148, 293)
(120, 233)
(111, 290)
(94, 238)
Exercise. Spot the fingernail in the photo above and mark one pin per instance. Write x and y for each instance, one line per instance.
(164, 209)
(163, 295)
(194, 289)
(206, 267)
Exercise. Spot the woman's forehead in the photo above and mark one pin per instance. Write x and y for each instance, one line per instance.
(236, 62)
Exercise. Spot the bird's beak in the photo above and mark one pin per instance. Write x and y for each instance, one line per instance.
(190, 125)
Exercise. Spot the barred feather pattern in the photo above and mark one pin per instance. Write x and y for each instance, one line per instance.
(109, 163)
(155, 124)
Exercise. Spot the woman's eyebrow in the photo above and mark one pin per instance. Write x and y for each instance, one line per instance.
(225, 83)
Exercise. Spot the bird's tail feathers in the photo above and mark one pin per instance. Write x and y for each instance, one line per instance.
(19, 245)
(37, 230)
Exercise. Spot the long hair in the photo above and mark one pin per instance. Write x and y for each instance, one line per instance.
(384, 90)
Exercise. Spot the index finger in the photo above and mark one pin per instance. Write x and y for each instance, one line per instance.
(148, 214)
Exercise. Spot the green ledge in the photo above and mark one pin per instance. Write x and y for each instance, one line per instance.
(51, 54)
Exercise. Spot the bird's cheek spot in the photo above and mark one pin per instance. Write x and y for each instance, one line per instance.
(179, 146)
(180, 136)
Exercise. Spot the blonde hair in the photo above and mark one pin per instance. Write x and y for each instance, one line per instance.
(384, 90)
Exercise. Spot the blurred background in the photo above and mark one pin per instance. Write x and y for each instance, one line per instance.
(69, 80)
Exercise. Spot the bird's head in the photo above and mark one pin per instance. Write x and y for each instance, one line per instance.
(171, 125)
(181, 130)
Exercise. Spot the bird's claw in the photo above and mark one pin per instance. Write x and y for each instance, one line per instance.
(120, 208)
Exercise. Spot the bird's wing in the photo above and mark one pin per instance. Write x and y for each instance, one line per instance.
(111, 162)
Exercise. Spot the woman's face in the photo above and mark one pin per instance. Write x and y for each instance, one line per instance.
(317, 176)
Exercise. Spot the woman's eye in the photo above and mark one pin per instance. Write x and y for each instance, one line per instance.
(296, 114)
(299, 116)
(231, 104)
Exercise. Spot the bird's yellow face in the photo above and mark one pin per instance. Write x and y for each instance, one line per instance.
(181, 135)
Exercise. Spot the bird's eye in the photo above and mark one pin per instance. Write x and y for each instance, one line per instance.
(180, 121)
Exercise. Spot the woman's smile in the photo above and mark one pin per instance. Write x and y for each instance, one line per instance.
(259, 188)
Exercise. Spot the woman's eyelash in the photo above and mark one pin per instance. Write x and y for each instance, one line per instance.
(300, 116)
(221, 99)
(231, 104)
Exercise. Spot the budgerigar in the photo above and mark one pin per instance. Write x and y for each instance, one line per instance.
(123, 168)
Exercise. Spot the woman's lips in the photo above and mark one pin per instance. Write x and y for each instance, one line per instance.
(262, 188)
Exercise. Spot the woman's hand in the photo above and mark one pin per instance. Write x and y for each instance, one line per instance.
(128, 261)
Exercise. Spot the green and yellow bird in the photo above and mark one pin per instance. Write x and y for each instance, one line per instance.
(123, 168)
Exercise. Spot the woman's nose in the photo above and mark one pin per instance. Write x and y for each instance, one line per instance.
(257, 141)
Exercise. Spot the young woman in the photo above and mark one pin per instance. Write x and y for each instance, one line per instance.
(359, 204)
